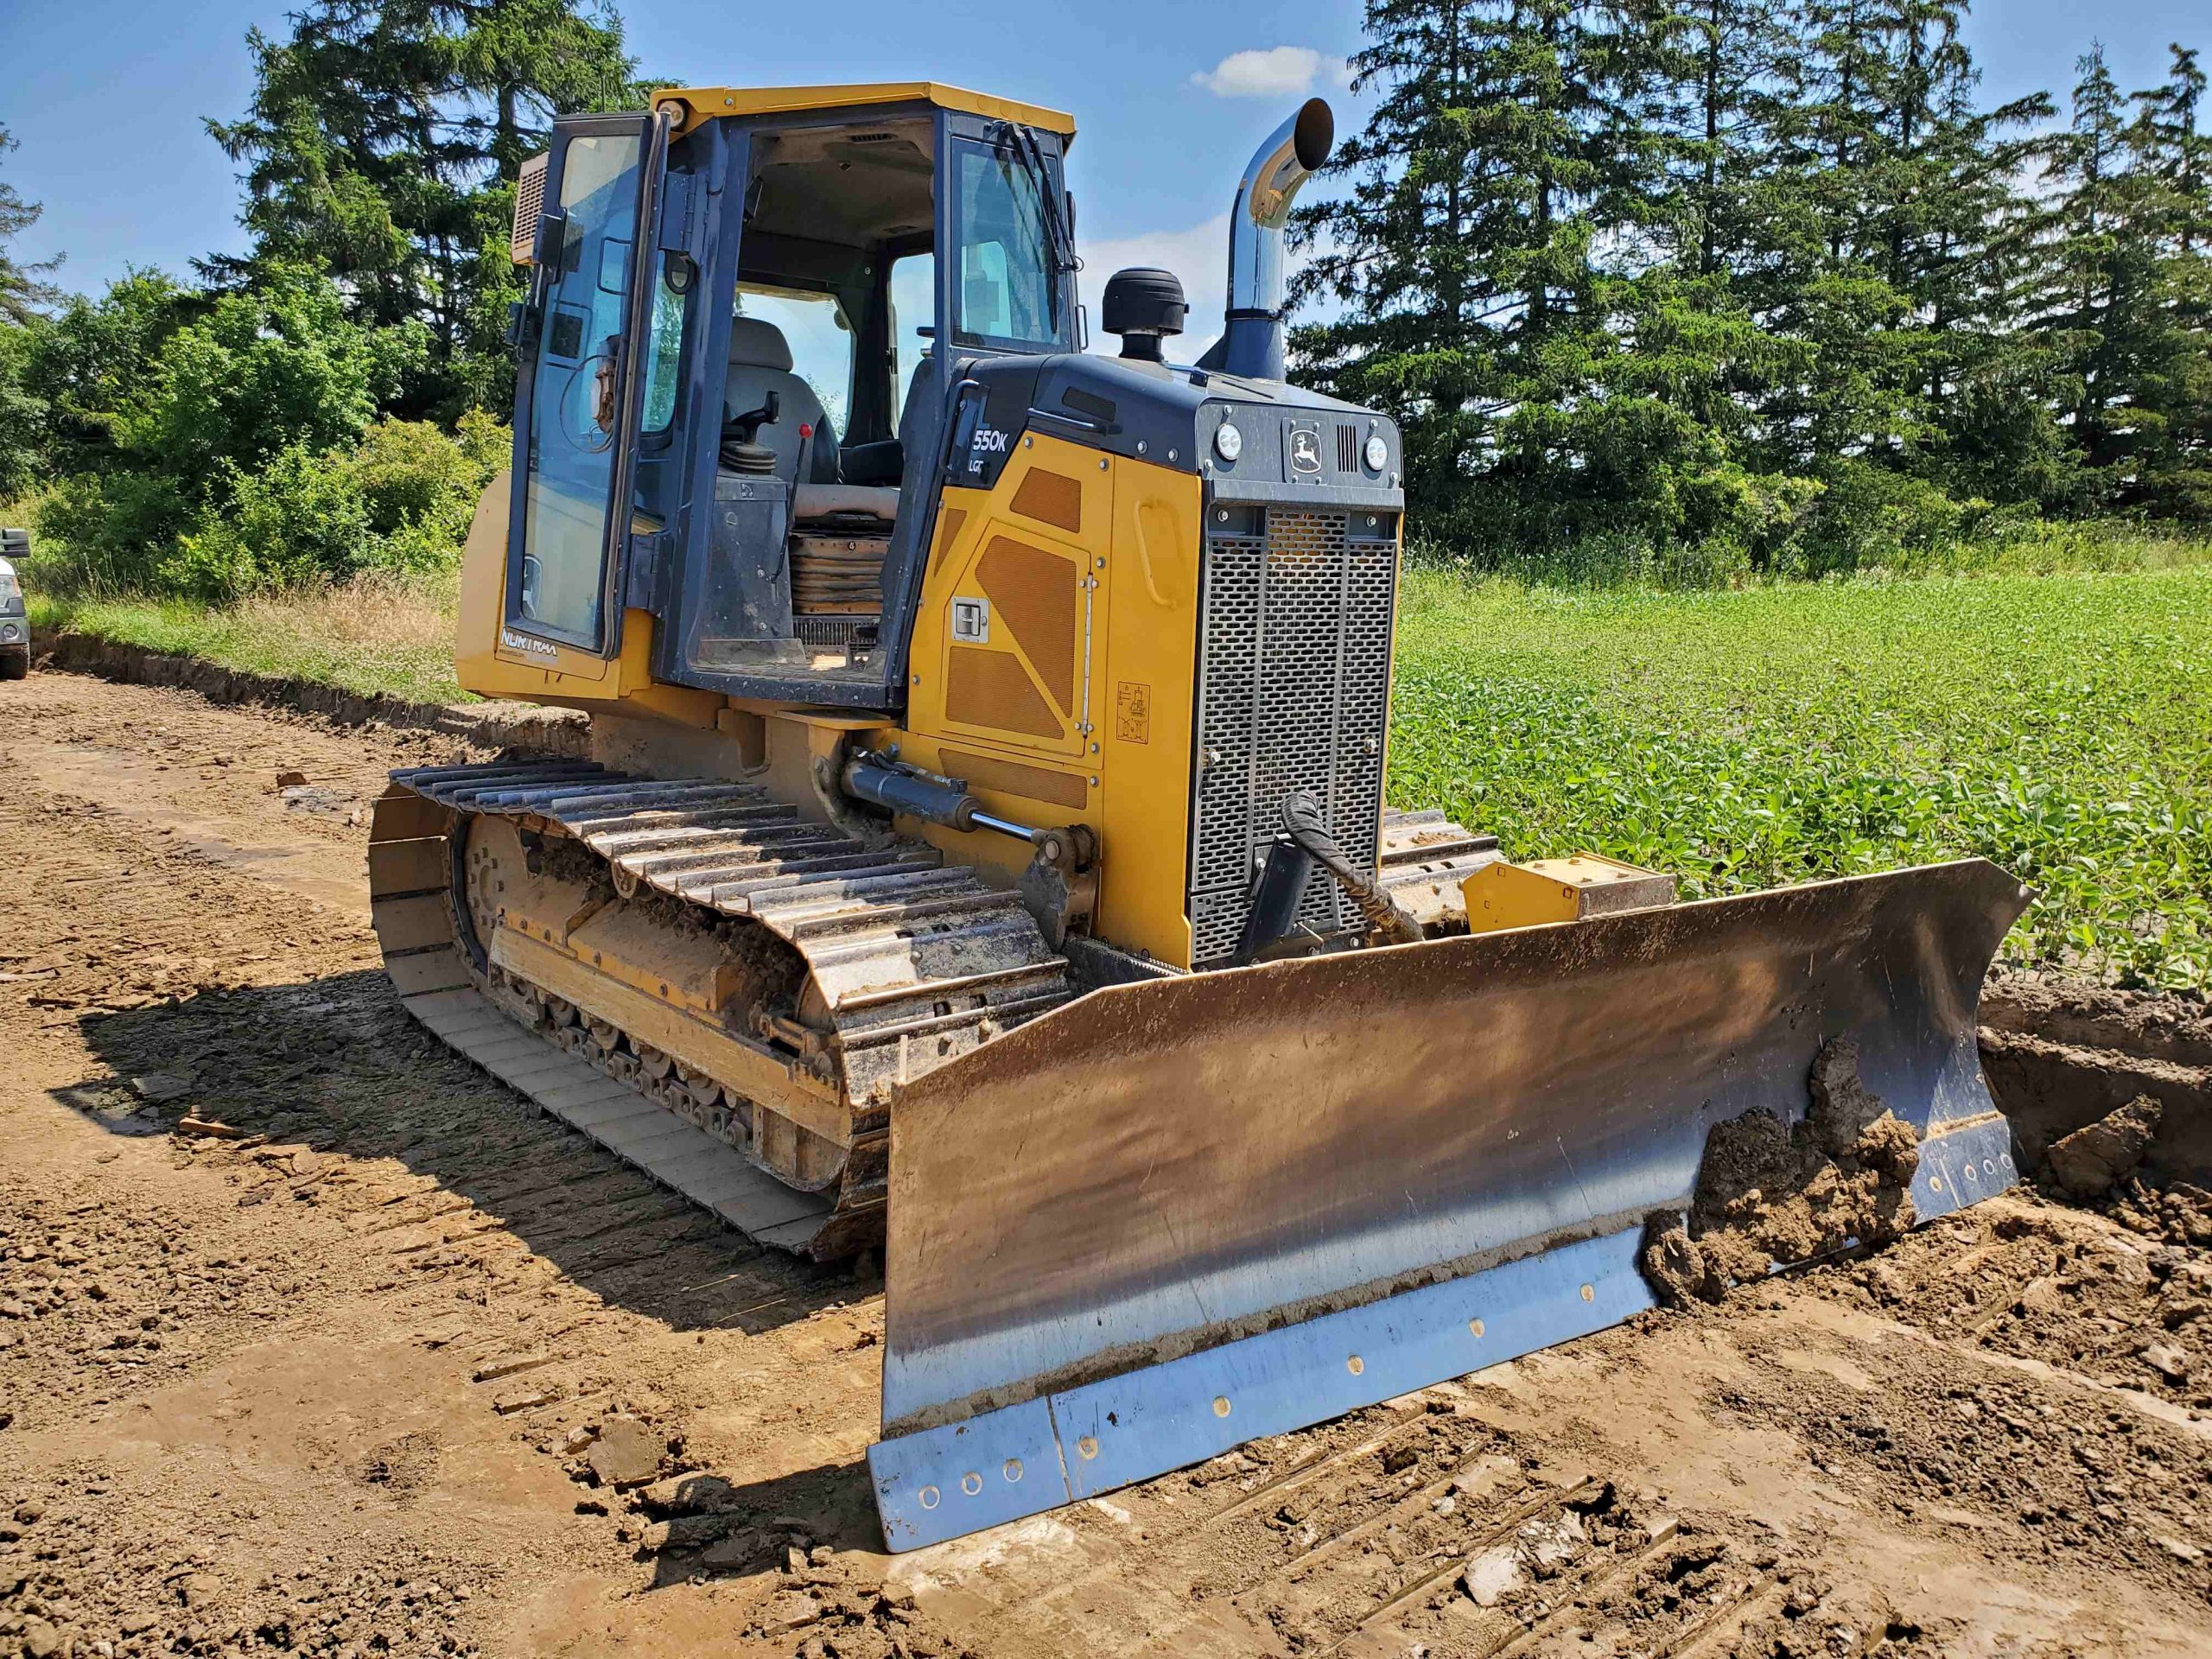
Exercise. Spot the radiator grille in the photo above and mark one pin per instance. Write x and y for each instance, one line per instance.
(1294, 693)
(845, 633)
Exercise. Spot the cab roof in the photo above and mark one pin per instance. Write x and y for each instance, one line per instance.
(694, 104)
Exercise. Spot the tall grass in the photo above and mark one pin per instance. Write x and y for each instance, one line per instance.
(2002, 546)
(376, 632)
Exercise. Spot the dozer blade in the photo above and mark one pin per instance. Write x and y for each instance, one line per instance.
(1176, 1216)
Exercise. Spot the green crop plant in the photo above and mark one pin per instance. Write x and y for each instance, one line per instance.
(2059, 725)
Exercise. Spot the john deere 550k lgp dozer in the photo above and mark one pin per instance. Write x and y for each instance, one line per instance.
(982, 851)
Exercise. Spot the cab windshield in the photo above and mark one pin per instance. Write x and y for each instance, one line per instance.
(1009, 287)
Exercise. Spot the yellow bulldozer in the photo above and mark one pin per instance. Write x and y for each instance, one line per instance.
(982, 852)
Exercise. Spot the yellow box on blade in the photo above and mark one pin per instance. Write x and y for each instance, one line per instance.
(1543, 890)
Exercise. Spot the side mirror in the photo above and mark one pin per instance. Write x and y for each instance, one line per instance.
(551, 226)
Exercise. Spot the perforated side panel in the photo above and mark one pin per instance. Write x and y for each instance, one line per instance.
(1034, 595)
(1034, 783)
(990, 688)
(1294, 693)
(1050, 498)
(530, 203)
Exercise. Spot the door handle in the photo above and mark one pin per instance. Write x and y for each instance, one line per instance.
(602, 391)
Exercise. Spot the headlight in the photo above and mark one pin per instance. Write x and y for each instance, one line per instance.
(1378, 454)
(9, 632)
(1228, 441)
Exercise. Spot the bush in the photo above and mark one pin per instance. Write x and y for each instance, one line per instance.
(93, 361)
(300, 516)
(1868, 517)
(397, 500)
(111, 534)
(265, 371)
(420, 486)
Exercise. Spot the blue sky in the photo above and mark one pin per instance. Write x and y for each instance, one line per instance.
(106, 96)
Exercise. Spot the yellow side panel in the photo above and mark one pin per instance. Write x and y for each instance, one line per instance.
(1143, 695)
(1074, 704)
(1513, 895)
(1012, 603)
(1544, 890)
(495, 664)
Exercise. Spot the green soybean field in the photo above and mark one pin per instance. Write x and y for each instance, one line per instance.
(2060, 725)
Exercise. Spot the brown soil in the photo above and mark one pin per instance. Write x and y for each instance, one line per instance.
(1771, 1194)
(2061, 1057)
(391, 1366)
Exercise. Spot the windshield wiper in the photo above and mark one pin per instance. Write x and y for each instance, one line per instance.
(1057, 232)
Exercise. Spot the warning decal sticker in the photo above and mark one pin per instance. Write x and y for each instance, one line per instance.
(1133, 712)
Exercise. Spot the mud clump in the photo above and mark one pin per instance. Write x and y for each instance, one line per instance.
(2177, 1213)
(1678, 1271)
(1844, 1107)
(1770, 1193)
(2092, 1160)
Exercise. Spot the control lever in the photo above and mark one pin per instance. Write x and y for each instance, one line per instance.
(741, 452)
(746, 427)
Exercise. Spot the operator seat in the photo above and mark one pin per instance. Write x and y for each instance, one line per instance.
(871, 472)
(761, 362)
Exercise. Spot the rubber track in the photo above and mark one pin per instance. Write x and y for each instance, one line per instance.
(878, 926)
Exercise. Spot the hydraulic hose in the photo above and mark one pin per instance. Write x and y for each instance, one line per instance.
(1303, 822)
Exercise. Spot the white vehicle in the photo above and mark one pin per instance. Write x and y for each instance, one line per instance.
(14, 624)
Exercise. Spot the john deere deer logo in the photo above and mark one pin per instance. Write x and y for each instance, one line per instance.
(1304, 450)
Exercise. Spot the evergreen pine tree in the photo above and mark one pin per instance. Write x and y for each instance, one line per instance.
(1724, 216)
(2099, 308)
(1894, 255)
(23, 289)
(2175, 155)
(1493, 261)
(1714, 97)
(381, 144)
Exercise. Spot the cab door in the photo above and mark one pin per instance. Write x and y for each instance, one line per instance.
(577, 393)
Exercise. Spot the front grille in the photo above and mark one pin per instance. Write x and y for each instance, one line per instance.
(1294, 693)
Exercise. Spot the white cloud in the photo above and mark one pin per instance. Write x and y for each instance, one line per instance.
(1199, 256)
(1272, 71)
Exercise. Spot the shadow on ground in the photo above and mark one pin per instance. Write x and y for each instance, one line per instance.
(705, 1524)
(338, 1065)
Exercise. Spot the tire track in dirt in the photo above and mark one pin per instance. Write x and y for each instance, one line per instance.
(427, 1371)
(381, 1189)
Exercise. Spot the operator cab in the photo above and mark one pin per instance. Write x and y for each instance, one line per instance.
(791, 395)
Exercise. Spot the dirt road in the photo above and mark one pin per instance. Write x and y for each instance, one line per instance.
(402, 1368)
